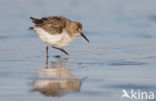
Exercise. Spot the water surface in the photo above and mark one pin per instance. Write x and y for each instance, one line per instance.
(121, 53)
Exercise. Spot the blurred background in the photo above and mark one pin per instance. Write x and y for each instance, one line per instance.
(113, 16)
(121, 53)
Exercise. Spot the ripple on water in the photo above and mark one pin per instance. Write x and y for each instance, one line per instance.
(123, 63)
(131, 86)
(114, 63)
(96, 93)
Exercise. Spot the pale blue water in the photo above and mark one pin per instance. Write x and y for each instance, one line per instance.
(121, 53)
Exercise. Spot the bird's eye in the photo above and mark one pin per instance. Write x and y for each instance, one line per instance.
(77, 28)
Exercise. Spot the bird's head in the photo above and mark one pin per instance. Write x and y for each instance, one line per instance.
(77, 29)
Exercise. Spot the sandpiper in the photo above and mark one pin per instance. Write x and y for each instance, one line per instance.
(57, 31)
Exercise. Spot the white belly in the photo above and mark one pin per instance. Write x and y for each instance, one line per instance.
(56, 40)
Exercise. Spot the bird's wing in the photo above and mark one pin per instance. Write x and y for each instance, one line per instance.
(52, 25)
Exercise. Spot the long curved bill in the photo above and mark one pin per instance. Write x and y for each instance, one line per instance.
(84, 37)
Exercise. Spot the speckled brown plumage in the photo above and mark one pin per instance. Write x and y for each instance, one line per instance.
(53, 25)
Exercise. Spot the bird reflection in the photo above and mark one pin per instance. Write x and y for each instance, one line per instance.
(56, 80)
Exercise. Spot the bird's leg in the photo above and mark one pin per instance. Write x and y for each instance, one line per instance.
(62, 50)
(47, 55)
(47, 51)
(46, 60)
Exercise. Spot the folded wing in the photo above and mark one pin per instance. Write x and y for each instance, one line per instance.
(52, 25)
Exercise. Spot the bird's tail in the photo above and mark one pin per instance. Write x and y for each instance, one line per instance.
(30, 28)
(35, 20)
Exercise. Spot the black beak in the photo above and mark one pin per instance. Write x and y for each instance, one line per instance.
(84, 37)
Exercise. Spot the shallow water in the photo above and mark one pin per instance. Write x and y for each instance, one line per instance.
(121, 53)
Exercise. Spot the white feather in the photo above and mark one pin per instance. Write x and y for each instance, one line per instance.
(56, 40)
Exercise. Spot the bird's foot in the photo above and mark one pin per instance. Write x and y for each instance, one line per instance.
(57, 56)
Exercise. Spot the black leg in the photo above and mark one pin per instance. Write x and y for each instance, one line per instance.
(47, 51)
(47, 55)
(47, 61)
(62, 50)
